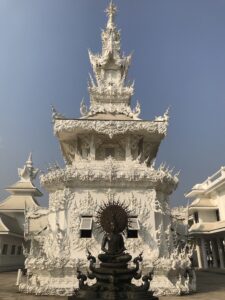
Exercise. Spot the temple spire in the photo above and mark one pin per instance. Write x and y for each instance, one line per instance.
(111, 12)
(28, 172)
(111, 36)
(110, 93)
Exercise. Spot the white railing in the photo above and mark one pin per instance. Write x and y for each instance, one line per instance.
(215, 176)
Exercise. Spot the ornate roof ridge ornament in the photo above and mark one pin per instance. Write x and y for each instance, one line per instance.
(28, 172)
(114, 172)
(83, 109)
(165, 117)
(56, 115)
(137, 110)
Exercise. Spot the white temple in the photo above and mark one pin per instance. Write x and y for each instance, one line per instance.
(207, 220)
(23, 195)
(109, 155)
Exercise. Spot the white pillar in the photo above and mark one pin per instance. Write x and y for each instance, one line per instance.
(92, 147)
(221, 252)
(128, 148)
(204, 256)
(198, 250)
(19, 276)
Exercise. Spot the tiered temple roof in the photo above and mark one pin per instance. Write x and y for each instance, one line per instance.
(110, 111)
(23, 192)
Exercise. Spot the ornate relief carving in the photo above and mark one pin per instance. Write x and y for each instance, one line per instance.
(57, 250)
(111, 170)
(174, 275)
(111, 128)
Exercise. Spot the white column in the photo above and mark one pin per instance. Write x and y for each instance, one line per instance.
(221, 252)
(128, 148)
(204, 256)
(198, 250)
(19, 276)
(77, 155)
(214, 253)
(92, 147)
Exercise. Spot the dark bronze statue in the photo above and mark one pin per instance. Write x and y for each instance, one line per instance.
(113, 277)
(113, 247)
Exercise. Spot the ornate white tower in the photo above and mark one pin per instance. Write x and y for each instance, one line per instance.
(109, 154)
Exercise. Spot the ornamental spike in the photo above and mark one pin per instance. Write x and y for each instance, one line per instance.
(92, 80)
(83, 108)
(111, 12)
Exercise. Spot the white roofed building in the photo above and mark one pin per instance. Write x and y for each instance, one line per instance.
(23, 195)
(207, 220)
(109, 153)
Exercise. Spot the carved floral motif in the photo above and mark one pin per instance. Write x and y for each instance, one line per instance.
(111, 128)
(111, 171)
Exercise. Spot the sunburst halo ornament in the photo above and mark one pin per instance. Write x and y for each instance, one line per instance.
(115, 213)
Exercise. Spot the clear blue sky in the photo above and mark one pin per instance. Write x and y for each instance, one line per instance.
(178, 61)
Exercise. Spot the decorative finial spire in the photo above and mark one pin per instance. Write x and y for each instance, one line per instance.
(56, 115)
(110, 92)
(83, 108)
(29, 161)
(28, 172)
(111, 12)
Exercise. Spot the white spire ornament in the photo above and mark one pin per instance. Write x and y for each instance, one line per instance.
(28, 172)
(111, 12)
(83, 108)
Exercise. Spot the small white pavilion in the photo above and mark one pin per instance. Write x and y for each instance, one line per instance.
(207, 220)
(23, 195)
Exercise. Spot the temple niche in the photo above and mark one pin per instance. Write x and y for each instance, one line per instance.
(109, 155)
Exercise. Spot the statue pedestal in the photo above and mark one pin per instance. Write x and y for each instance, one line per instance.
(114, 282)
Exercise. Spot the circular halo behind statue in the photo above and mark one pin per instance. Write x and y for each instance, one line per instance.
(113, 213)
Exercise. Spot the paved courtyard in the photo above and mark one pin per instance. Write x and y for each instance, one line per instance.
(211, 286)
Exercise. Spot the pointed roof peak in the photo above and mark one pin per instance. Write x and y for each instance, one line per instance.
(111, 11)
(28, 172)
(29, 161)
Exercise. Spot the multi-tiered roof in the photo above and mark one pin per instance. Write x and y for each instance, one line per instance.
(109, 124)
(23, 192)
(110, 94)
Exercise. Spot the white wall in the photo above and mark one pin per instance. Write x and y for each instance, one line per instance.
(221, 206)
(67, 206)
(207, 216)
(10, 262)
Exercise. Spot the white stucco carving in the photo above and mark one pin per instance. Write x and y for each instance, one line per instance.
(111, 128)
(109, 154)
(28, 172)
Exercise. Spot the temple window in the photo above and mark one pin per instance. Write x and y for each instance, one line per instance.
(4, 249)
(19, 250)
(13, 250)
(217, 215)
(133, 228)
(196, 217)
(86, 227)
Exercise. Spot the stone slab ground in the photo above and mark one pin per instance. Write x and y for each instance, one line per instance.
(211, 286)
